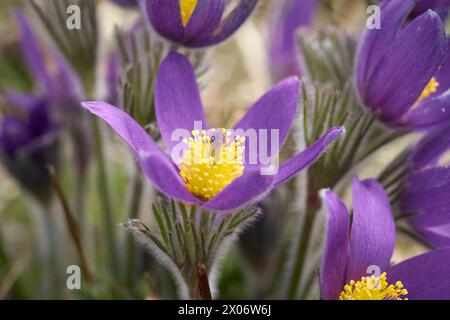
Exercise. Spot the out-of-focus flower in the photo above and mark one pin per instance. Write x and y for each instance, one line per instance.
(54, 77)
(59, 83)
(288, 17)
(28, 142)
(407, 87)
(196, 23)
(211, 172)
(428, 189)
(356, 251)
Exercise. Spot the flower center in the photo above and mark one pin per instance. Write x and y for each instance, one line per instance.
(373, 288)
(187, 8)
(213, 160)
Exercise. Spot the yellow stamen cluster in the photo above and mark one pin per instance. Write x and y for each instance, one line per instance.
(373, 288)
(214, 159)
(430, 88)
(187, 8)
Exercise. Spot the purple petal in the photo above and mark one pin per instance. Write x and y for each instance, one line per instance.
(205, 18)
(306, 157)
(165, 177)
(429, 113)
(66, 87)
(283, 51)
(60, 83)
(443, 76)
(130, 131)
(435, 5)
(165, 17)
(428, 194)
(425, 276)
(177, 98)
(398, 80)
(23, 101)
(372, 235)
(438, 237)
(431, 148)
(245, 190)
(230, 24)
(32, 52)
(335, 257)
(273, 111)
(376, 42)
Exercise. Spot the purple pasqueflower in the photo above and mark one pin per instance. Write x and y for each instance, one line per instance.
(358, 251)
(402, 70)
(196, 23)
(206, 174)
(288, 16)
(427, 194)
(28, 141)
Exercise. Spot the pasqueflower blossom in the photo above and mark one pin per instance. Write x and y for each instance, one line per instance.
(427, 196)
(358, 251)
(28, 141)
(196, 23)
(402, 70)
(214, 170)
(289, 17)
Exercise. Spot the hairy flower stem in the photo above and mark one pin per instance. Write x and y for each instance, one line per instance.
(135, 194)
(103, 188)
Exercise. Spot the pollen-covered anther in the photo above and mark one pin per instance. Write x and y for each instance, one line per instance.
(430, 88)
(187, 8)
(373, 288)
(212, 161)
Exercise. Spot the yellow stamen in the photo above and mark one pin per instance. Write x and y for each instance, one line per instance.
(187, 8)
(373, 288)
(214, 160)
(430, 88)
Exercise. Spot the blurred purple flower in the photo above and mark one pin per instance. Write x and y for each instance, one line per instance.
(402, 72)
(59, 83)
(361, 245)
(178, 106)
(54, 77)
(28, 141)
(288, 17)
(428, 189)
(196, 23)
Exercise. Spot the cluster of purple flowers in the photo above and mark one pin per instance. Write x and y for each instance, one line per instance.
(401, 75)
